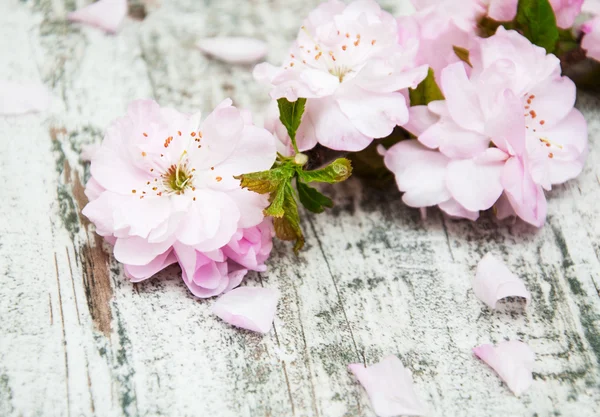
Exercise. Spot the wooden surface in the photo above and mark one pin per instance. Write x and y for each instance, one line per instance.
(78, 339)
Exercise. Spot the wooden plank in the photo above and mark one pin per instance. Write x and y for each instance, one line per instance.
(76, 338)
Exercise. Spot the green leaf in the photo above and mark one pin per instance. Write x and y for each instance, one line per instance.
(426, 92)
(338, 170)
(535, 18)
(287, 227)
(290, 114)
(264, 182)
(276, 198)
(462, 54)
(311, 198)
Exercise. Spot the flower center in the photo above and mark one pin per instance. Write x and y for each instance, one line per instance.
(177, 178)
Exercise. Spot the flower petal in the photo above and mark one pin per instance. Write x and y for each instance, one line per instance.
(251, 308)
(390, 387)
(475, 183)
(420, 173)
(420, 118)
(374, 114)
(22, 98)
(137, 273)
(461, 97)
(512, 360)
(494, 281)
(453, 209)
(104, 14)
(235, 50)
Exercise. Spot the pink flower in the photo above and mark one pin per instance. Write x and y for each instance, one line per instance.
(591, 39)
(515, 99)
(162, 191)
(349, 65)
(565, 11)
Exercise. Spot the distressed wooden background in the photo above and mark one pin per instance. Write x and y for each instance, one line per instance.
(78, 339)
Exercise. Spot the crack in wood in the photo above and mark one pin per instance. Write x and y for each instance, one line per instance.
(73, 285)
(64, 336)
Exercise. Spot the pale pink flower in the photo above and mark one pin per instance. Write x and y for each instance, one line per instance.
(591, 38)
(162, 189)
(349, 65)
(565, 10)
(516, 99)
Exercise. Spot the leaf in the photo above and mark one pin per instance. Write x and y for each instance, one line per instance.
(287, 227)
(290, 114)
(426, 92)
(264, 182)
(462, 54)
(535, 18)
(277, 197)
(312, 199)
(339, 170)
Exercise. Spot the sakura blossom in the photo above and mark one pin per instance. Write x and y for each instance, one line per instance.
(162, 190)
(348, 62)
(514, 99)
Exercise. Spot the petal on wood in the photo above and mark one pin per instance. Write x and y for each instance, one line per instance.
(251, 308)
(235, 50)
(103, 14)
(390, 387)
(494, 281)
(22, 98)
(88, 151)
(513, 362)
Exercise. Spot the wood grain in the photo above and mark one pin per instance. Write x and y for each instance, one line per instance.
(78, 339)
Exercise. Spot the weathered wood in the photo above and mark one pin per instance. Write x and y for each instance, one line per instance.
(76, 338)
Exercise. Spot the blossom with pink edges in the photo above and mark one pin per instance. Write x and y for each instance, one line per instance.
(162, 190)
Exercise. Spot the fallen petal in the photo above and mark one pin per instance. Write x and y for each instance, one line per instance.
(22, 98)
(251, 308)
(103, 14)
(494, 281)
(390, 387)
(513, 362)
(235, 50)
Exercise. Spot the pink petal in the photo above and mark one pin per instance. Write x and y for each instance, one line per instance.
(137, 273)
(453, 209)
(420, 118)
(461, 97)
(420, 173)
(526, 197)
(503, 10)
(374, 114)
(251, 308)
(235, 50)
(104, 14)
(390, 388)
(494, 281)
(512, 360)
(475, 183)
(22, 98)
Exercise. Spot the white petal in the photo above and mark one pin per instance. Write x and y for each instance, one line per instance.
(494, 281)
(390, 388)
(21, 98)
(513, 362)
(235, 50)
(104, 14)
(251, 308)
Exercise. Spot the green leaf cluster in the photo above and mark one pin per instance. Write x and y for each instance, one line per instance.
(277, 182)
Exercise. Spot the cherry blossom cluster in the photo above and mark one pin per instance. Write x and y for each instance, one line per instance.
(503, 130)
